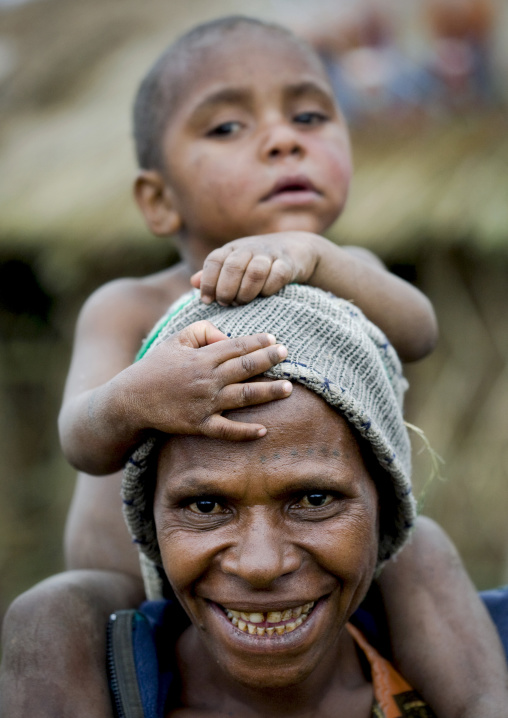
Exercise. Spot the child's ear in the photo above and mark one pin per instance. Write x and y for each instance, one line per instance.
(155, 201)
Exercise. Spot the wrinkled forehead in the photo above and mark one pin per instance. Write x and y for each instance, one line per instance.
(302, 427)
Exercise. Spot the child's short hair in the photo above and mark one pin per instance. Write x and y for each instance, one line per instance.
(163, 86)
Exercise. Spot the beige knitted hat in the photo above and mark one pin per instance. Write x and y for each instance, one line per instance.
(335, 352)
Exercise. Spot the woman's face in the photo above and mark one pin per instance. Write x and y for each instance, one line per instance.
(269, 545)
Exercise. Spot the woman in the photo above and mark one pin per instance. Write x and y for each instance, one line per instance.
(271, 546)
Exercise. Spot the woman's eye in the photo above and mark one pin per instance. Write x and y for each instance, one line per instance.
(225, 129)
(205, 506)
(317, 499)
(310, 118)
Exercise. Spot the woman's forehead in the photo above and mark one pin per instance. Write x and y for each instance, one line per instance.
(300, 428)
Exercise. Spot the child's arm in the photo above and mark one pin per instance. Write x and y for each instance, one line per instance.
(110, 403)
(443, 641)
(245, 268)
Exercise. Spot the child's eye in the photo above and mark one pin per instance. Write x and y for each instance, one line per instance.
(316, 499)
(310, 118)
(225, 129)
(205, 506)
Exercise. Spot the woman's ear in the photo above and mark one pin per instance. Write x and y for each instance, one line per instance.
(155, 201)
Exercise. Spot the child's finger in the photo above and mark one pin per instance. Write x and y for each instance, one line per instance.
(235, 396)
(210, 274)
(231, 275)
(195, 280)
(249, 365)
(280, 274)
(254, 278)
(201, 334)
(241, 346)
(219, 427)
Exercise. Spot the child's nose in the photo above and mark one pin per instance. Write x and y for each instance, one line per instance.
(281, 140)
(261, 554)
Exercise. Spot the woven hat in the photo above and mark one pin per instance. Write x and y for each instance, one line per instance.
(335, 352)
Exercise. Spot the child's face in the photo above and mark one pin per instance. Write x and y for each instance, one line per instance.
(258, 144)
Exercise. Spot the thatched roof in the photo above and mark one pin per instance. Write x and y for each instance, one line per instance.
(66, 159)
(446, 183)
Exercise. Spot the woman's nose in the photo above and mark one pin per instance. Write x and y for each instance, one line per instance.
(261, 554)
(280, 141)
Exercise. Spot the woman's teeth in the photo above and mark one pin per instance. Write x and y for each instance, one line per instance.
(272, 622)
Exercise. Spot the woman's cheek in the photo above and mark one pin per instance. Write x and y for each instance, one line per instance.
(185, 557)
(342, 548)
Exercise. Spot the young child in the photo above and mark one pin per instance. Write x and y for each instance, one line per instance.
(245, 157)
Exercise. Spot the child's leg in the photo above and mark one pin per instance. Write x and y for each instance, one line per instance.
(54, 636)
(54, 645)
(443, 641)
(96, 535)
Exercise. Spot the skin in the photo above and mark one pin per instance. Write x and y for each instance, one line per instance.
(256, 152)
(53, 647)
(451, 627)
(122, 412)
(264, 526)
(242, 129)
(110, 329)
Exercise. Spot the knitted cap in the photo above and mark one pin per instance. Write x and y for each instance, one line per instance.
(335, 352)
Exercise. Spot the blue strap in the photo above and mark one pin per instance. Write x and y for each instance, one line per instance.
(496, 601)
(159, 623)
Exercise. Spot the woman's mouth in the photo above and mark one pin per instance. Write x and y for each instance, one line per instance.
(270, 623)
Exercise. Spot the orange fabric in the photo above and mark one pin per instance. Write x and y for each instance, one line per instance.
(386, 682)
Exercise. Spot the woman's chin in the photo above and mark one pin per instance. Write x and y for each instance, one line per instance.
(265, 649)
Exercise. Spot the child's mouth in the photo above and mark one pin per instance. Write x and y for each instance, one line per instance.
(270, 623)
(291, 185)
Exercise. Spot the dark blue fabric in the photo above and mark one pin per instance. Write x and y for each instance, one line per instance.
(152, 684)
(156, 628)
(159, 623)
(496, 601)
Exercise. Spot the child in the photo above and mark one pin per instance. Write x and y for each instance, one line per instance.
(245, 157)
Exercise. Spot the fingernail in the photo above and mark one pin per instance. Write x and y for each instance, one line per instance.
(271, 338)
(287, 387)
(262, 432)
(206, 300)
(282, 351)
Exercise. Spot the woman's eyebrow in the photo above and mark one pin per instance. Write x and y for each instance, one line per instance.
(192, 486)
(315, 482)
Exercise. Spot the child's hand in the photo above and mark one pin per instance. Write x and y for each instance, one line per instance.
(246, 268)
(187, 381)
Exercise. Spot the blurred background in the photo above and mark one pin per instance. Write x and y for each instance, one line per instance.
(425, 88)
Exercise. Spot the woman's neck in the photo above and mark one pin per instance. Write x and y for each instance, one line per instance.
(337, 687)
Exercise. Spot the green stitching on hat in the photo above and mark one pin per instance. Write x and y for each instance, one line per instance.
(173, 311)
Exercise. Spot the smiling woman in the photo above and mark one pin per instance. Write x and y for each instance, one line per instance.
(270, 546)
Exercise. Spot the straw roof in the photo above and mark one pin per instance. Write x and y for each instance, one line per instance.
(66, 159)
(445, 183)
